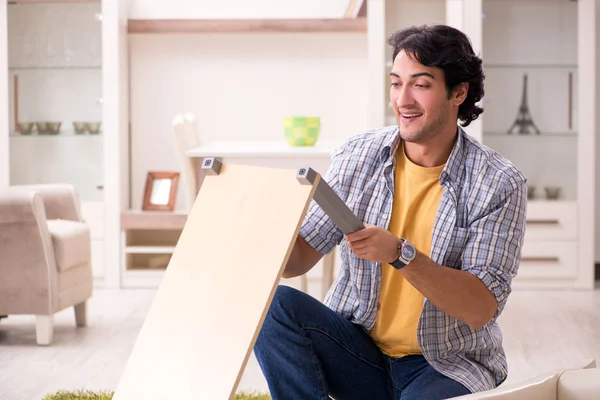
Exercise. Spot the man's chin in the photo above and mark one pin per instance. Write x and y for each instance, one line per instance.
(410, 135)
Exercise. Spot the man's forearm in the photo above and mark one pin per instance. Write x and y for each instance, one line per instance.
(458, 293)
(301, 260)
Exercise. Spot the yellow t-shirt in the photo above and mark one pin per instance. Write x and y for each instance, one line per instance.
(417, 195)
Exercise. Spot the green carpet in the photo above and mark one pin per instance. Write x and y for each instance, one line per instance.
(94, 395)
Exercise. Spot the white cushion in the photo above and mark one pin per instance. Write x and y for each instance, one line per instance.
(583, 384)
(71, 241)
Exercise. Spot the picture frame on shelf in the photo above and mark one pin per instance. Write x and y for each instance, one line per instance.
(160, 191)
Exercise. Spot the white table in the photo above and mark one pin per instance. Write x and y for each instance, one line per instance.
(275, 155)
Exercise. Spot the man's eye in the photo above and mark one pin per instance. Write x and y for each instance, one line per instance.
(422, 86)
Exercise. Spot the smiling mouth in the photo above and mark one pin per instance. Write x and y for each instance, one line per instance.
(411, 115)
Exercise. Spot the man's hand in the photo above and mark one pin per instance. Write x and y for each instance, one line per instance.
(374, 244)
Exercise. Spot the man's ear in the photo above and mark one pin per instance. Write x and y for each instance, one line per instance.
(459, 94)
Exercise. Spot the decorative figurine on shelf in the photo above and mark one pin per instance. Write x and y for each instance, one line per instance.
(524, 121)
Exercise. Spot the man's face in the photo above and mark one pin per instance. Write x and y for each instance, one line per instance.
(419, 99)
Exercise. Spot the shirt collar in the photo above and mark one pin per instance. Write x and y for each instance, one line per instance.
(454, 166)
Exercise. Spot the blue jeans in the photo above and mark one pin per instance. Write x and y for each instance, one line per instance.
(309, 352)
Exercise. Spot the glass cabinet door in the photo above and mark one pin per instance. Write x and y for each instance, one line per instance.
(529, 51)
(55, 95)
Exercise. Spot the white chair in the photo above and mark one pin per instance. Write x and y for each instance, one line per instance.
(185, 137)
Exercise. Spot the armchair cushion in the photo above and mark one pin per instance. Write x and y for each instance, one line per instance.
(581, 384)
(71, 243)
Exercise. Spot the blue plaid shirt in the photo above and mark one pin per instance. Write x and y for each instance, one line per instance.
(479, 228)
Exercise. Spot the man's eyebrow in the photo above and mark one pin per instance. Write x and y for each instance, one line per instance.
(418, 74)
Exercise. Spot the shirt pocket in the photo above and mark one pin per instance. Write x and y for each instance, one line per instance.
(456, 247)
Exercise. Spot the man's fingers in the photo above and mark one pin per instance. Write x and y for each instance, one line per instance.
(359, 235)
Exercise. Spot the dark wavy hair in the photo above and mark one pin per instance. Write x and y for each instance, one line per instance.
(449, 49)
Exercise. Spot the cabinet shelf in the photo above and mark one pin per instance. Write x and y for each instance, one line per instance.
(55, 67)
(63, 133)
(542, 135)
(149, 249)
(50, 1)
(246, 25)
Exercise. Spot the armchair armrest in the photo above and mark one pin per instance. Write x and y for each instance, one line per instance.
(61, 201)
(28, 267)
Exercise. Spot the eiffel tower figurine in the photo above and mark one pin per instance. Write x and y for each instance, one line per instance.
(524, 121)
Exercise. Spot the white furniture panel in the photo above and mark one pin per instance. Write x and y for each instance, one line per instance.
(548, 220)
(280, 155)
(548, 260)
(98, 259)
(93, 215)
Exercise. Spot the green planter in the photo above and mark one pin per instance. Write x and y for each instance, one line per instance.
(302, 131)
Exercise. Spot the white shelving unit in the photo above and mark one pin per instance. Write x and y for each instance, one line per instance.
(559, 247)
(148, 240)
(551, 41)
(548, 40)
(67, 61)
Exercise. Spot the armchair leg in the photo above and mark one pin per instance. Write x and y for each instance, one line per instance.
(44, 327)
(81, 314)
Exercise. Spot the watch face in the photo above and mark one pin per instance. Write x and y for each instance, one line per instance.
(408, 251)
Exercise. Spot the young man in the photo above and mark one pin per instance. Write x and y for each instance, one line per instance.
(412, 314)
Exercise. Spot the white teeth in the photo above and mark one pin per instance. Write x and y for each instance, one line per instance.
(411, 115)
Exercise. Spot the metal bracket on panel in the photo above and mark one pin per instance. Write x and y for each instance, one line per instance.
(211, 166)
(330, 202)
(306, 176)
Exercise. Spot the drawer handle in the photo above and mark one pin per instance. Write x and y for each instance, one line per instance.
(540, 259)
(543, 221)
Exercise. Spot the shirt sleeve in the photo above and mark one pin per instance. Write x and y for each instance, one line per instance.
(319, 231)
(493, 249)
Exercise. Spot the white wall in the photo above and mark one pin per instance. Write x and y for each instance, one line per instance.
(240, 86)
(182, 9)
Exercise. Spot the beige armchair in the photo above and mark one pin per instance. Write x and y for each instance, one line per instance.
(45, 255)
(572, 384)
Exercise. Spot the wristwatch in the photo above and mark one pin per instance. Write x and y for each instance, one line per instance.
(406, 253)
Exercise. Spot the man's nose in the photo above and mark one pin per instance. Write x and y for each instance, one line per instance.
(405, 98)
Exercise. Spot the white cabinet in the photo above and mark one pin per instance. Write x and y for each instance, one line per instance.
(64, 66)
(93, 215)
(552, 42)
